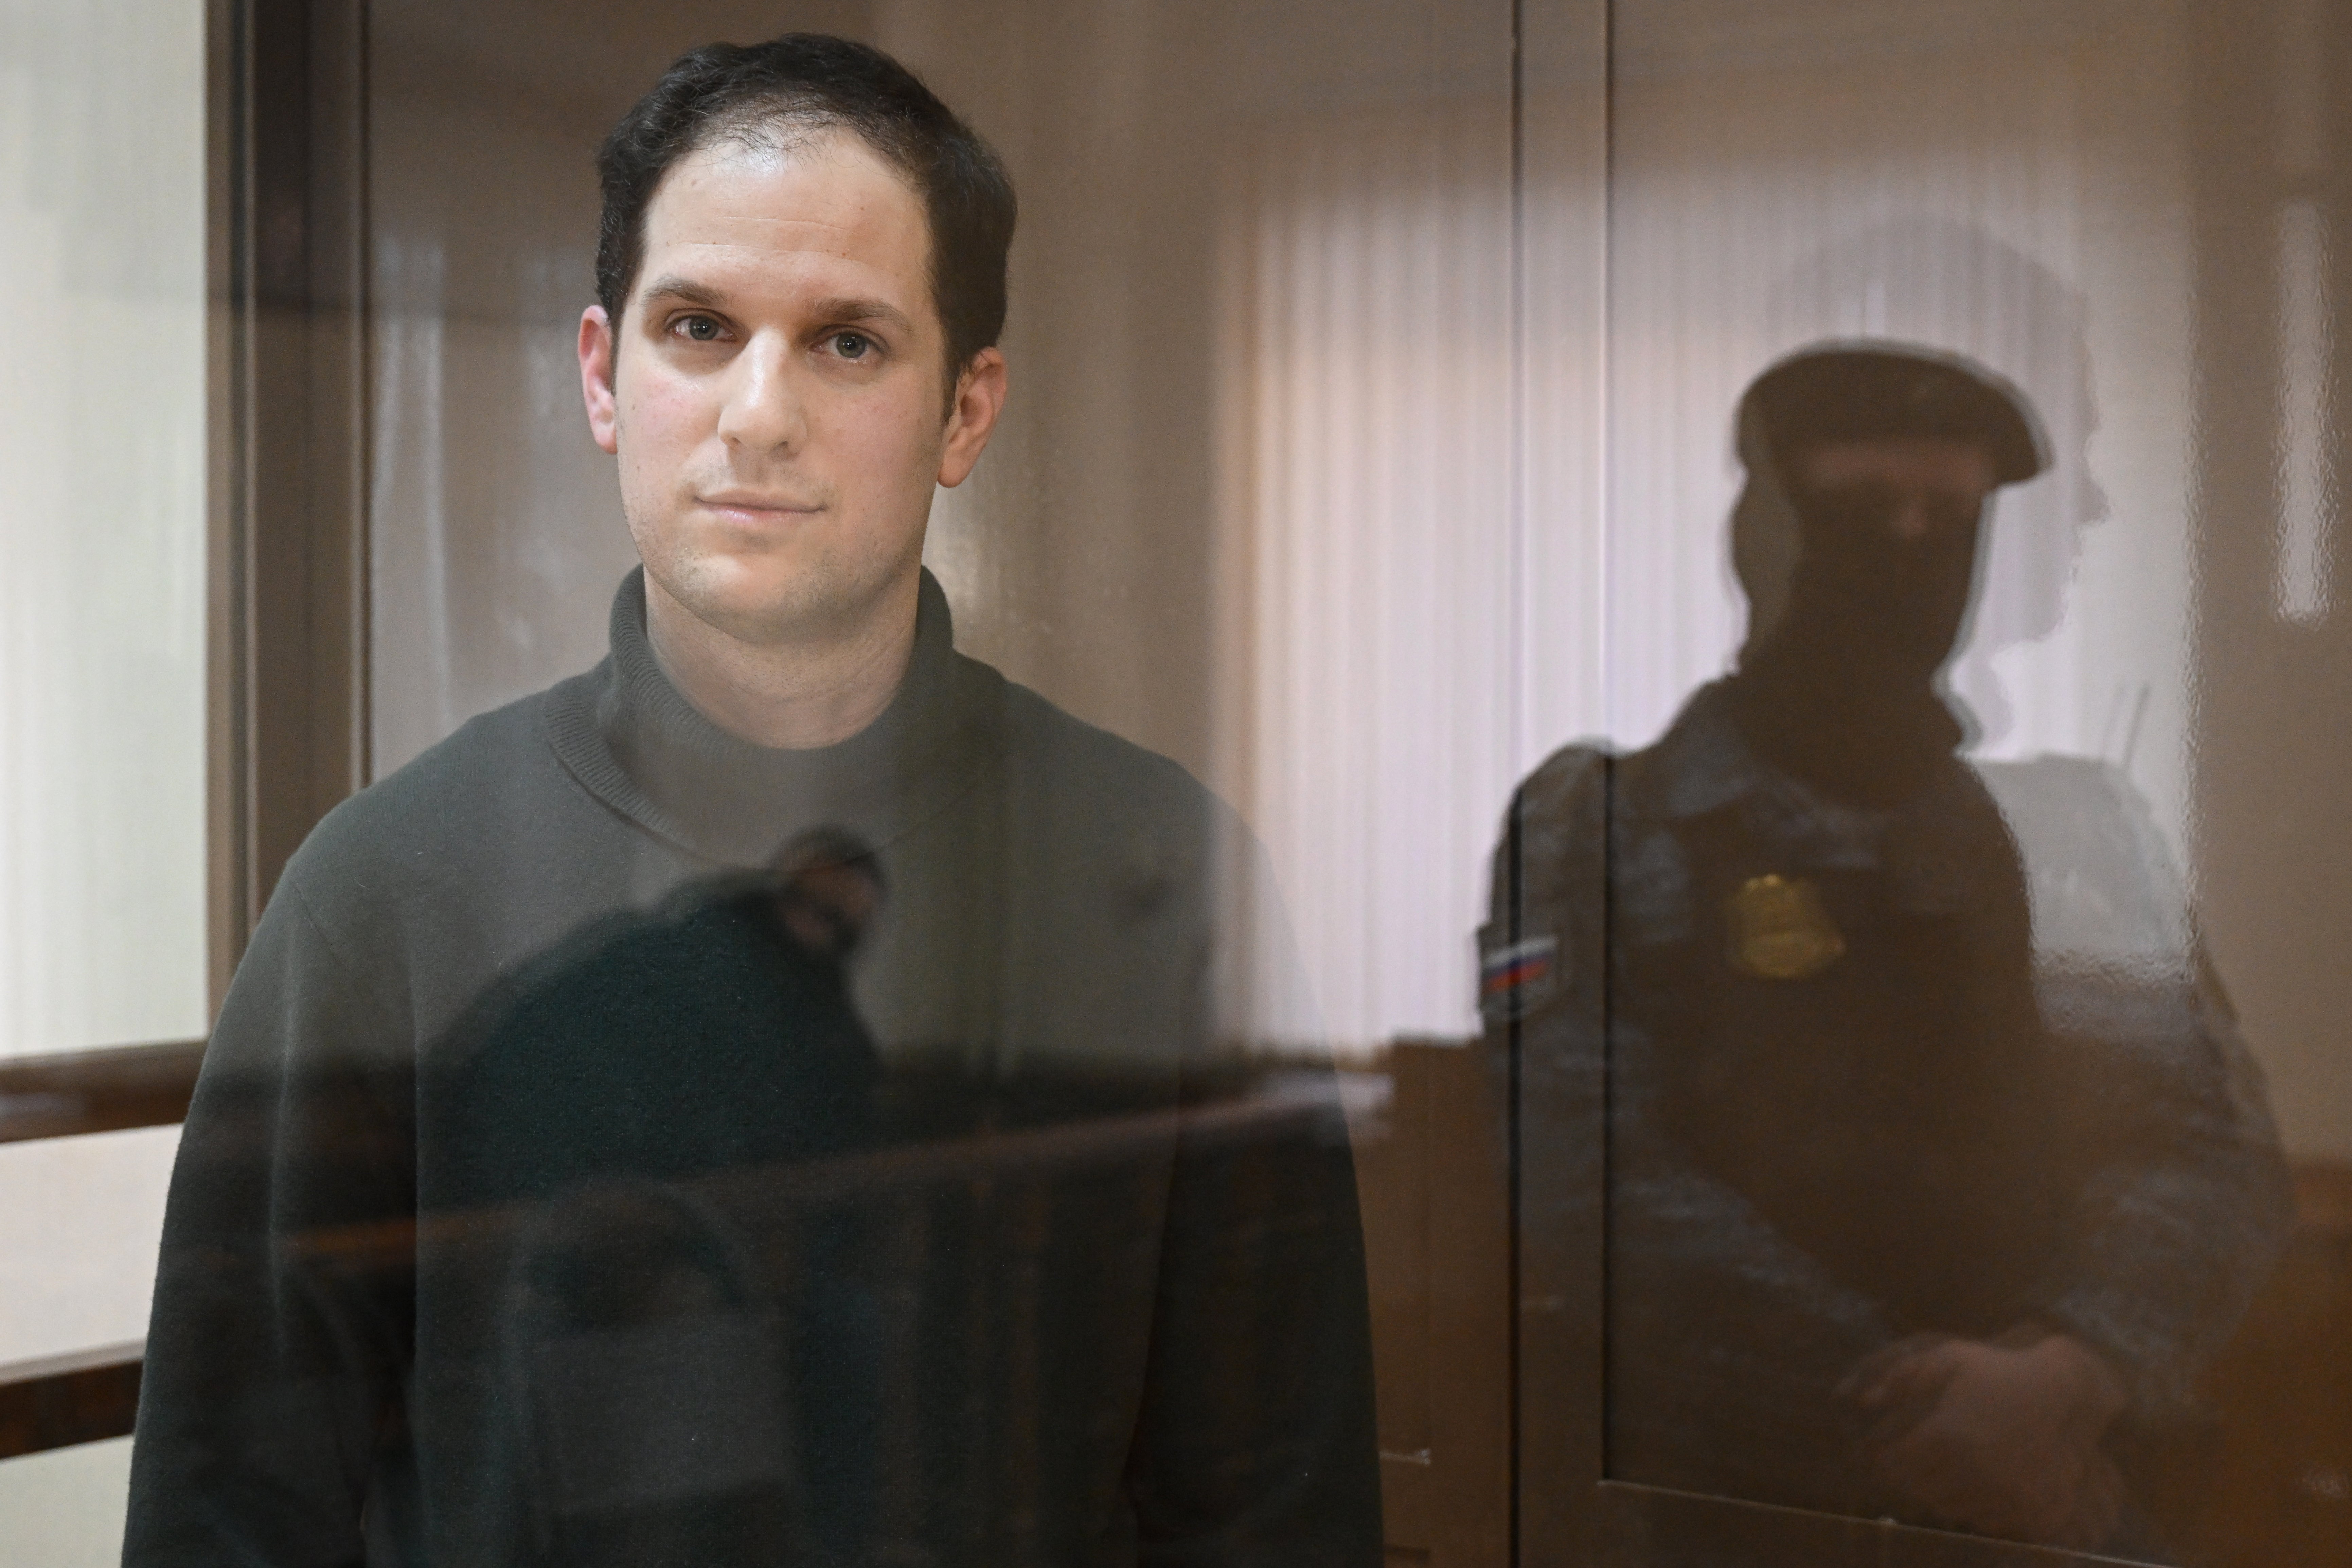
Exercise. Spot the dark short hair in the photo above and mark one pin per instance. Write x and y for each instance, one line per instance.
(811, 82)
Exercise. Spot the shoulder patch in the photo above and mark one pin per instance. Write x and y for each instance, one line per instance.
(1515, 978)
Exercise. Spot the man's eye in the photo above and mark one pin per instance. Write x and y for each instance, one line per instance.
(700, 329)
(852, 346)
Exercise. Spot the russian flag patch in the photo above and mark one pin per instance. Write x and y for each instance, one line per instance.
(1515, 978)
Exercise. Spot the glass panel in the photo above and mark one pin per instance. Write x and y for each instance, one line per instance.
(652, 1126)
(937, 1020)
(103, 493)
(1956, 905)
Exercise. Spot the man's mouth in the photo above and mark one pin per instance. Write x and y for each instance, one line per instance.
(747, 505)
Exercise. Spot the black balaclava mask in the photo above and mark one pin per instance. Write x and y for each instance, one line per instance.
(1849, 624)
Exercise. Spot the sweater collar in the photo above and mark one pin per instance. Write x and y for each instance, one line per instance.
(634, 740)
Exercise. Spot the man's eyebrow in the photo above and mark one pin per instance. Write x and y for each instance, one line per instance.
(850, 311)
(686, 291)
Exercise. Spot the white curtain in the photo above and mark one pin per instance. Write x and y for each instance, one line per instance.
(1369, 549)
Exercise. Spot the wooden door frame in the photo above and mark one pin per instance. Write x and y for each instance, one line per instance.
(288, 621)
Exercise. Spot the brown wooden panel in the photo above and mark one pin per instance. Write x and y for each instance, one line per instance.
(286, 570)
(1470, 1307)
(98, 1091)
(1651, 1527)
(66, 1400)
(2272, 1487)
(1430, 1169)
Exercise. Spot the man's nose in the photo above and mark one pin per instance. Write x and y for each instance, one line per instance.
(763, 412)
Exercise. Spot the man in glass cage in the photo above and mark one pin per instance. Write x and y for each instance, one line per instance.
(788, 1094)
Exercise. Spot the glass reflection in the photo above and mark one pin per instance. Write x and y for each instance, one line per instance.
(1913, 1212)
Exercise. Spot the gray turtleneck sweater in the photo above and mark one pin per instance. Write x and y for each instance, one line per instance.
(503, 1230)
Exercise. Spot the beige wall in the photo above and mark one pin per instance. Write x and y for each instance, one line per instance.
(2266, 130)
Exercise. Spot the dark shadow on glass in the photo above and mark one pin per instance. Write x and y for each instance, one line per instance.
(1902, 1223)
(1918, 279)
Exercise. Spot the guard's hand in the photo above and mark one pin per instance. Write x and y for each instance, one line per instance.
(2002, 1438)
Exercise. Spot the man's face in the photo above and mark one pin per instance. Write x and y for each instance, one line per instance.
(1891, 528)
(773, 390)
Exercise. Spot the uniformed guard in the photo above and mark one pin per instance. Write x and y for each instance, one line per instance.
(1881, 1240)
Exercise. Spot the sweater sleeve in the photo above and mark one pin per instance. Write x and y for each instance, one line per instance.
(284, 1295)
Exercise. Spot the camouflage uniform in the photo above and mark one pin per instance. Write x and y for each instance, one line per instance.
(1964, 1119)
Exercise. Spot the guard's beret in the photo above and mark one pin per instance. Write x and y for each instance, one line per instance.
(1867, 390)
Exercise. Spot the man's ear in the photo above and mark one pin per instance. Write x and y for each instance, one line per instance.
(596, 378)
(979, 399)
